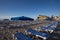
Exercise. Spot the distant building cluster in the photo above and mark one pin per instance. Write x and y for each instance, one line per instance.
(57, 18)
(43, 17)
(40, 17)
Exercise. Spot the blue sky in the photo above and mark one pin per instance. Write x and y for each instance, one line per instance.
(30, 8)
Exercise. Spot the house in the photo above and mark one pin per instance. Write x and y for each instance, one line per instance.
(21, 36)
(42, 35)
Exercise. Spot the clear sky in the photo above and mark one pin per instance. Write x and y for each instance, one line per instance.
(29, 8)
